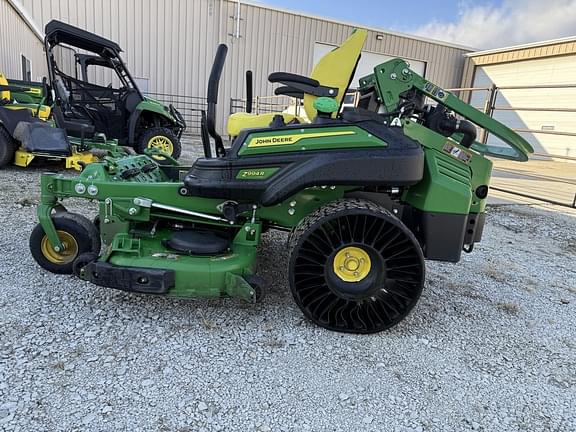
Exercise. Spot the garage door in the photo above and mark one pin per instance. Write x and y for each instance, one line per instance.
(367, 62)
(538, 72)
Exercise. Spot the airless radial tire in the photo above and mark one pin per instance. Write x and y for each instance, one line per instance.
(355, 267)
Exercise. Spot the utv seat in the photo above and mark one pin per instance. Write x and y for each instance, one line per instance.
(76, 128)
(333, 73)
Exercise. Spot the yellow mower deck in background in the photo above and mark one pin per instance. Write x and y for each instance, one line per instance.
(28, 132)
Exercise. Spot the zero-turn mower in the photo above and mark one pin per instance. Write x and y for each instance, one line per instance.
(367, 195)
(119, 110)
(28, 131)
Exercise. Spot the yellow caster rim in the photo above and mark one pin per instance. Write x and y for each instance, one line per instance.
(352, 264)
(65, 256)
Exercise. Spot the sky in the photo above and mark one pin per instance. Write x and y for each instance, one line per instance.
(480, 24)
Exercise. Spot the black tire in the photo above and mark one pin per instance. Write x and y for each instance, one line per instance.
(8, 147)
(369, 289)
(76, 236)
(96, 222)
(145, 141)
(91, 228)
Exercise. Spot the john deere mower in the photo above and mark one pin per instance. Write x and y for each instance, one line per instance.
(119, 110)
(28, 131)
(367, 195)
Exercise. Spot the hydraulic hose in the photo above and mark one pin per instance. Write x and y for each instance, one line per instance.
(468, 130)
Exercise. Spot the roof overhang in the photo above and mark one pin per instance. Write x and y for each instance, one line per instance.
(522, 47)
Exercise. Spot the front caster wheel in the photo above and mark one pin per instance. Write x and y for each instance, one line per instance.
(355, 267)
(76, 236)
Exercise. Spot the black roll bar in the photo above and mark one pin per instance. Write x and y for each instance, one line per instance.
(249, 91)
(212, 97)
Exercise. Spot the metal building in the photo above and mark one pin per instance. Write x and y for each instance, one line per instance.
(531, 88)
(21, 49)
(169, 44)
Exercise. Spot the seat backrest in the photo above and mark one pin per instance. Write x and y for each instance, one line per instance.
(336, 69)
(4, 94)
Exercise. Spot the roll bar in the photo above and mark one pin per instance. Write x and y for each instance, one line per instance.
(212, 97)
(249, 91)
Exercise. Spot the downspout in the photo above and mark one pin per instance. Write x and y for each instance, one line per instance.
(237, 32)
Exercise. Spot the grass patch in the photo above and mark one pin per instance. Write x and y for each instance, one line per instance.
(495, 274)
(509, 307)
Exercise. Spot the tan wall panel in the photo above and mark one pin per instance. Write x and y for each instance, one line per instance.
(554, 49)
(17, 38)
(172, 42)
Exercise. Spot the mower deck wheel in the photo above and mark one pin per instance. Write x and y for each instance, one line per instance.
(91, 227)
(75, 237)
(355, 267)
(160, 138)
(7, 147)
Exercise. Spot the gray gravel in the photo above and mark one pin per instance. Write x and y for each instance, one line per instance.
(491, 345)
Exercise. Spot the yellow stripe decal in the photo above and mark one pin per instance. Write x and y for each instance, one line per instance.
(292, 139)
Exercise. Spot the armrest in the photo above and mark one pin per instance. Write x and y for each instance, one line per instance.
(283, 77)
(289, 91)
(302, 85)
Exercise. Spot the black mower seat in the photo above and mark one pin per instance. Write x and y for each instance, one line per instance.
(197, 243)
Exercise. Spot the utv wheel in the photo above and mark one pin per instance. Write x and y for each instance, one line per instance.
(355, 267)
(7, 147)
(74, 234)
(161, 139)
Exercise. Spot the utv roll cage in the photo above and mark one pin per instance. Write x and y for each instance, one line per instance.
(58, 33)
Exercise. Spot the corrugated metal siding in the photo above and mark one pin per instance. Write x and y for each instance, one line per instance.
(17, 38)
(554, 49)
(172, 42)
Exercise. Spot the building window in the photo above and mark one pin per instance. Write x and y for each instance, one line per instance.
(26, 69)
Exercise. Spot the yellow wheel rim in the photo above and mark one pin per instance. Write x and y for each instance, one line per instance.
(65, 256)
(352, 264)
(162, 143)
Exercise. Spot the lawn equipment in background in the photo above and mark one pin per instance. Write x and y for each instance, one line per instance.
(27, 132)
(367, 194)
(119, 110)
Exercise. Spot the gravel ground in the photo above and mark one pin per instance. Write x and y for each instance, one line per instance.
(490, 346)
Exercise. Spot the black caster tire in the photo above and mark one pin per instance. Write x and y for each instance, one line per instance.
(76, 239)
(355, 267)
(160, 138)
(96, 222)
(91, 227)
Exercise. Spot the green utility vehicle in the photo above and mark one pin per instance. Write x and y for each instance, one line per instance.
(367, 194)
(119, 110)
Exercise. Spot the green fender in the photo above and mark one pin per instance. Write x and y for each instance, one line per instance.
(148, 105)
